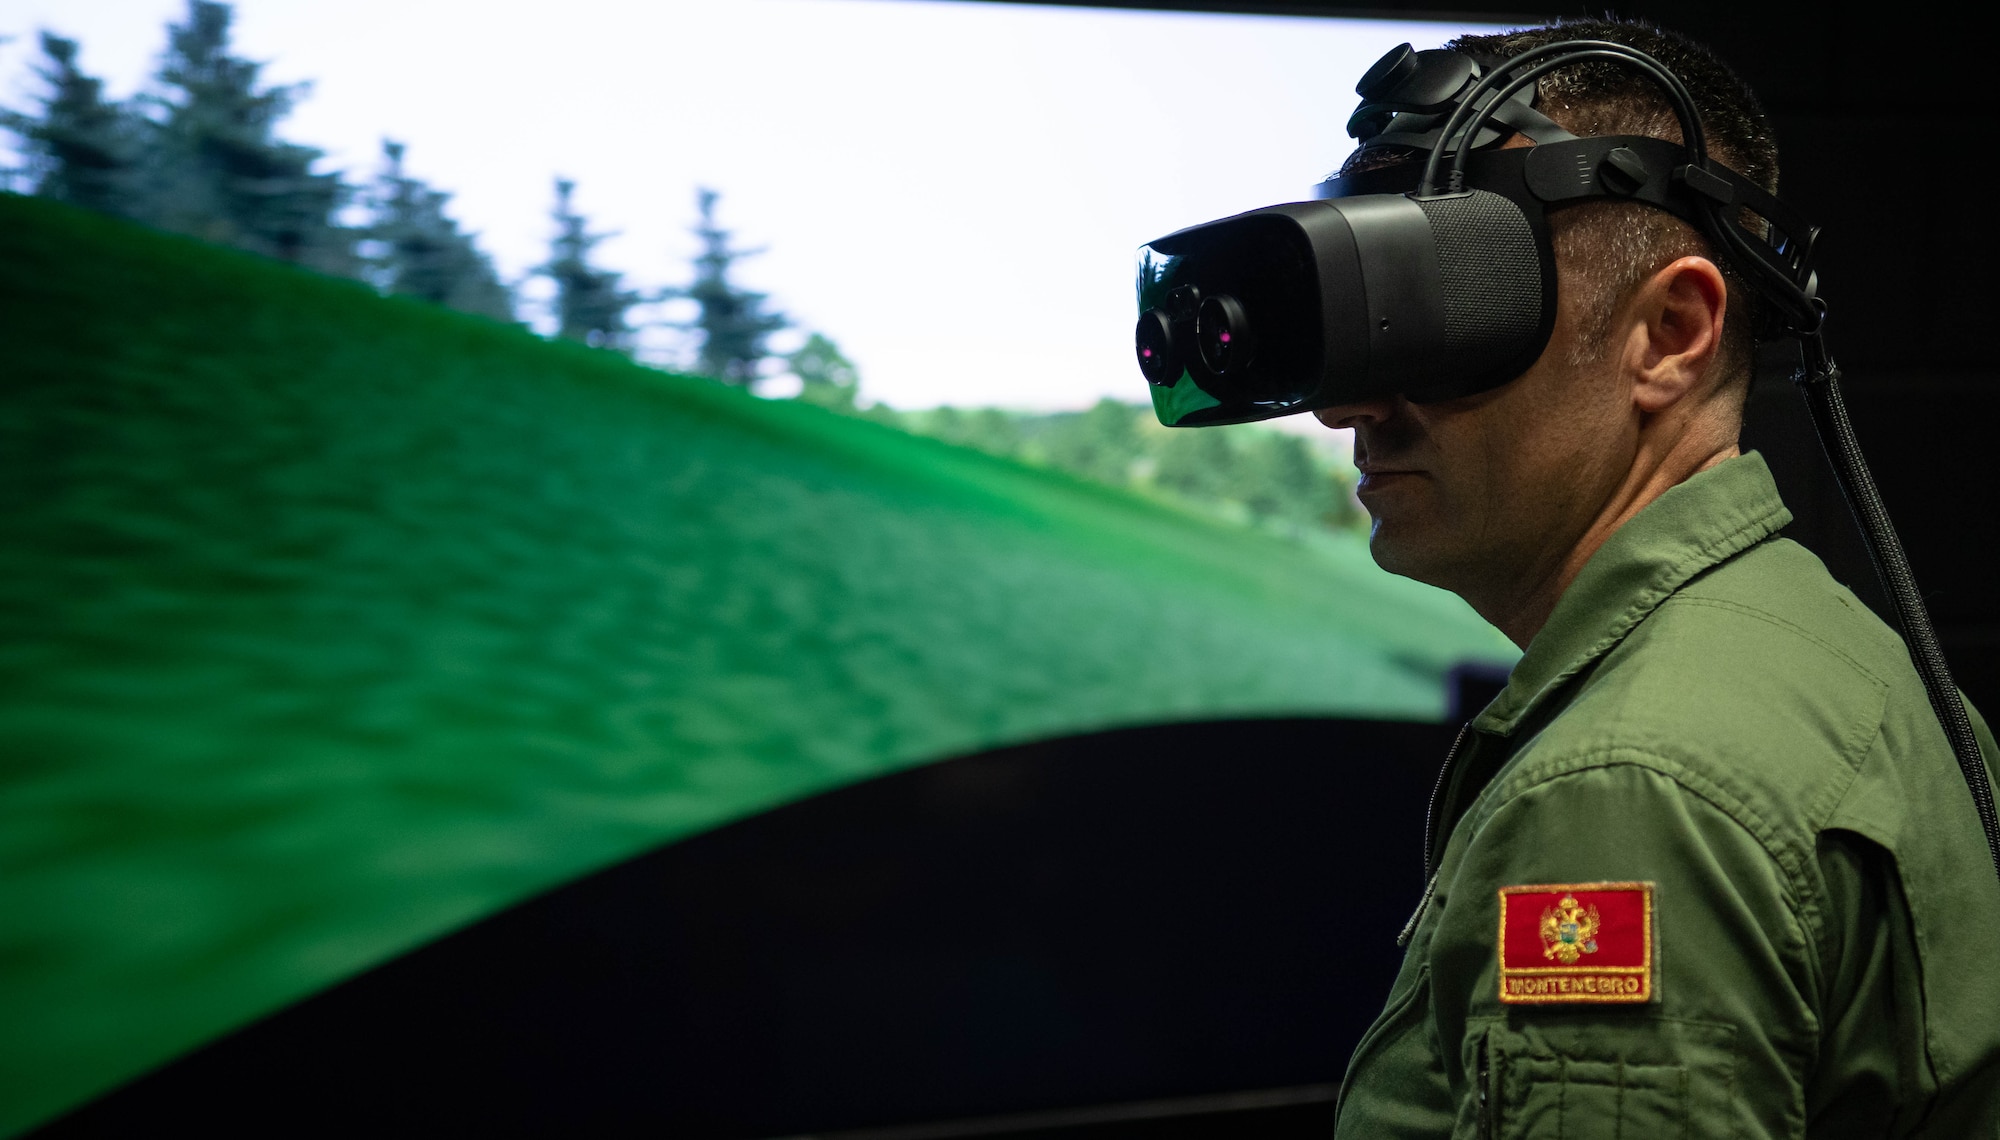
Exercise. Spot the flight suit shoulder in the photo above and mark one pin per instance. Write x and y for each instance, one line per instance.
(1762, 685)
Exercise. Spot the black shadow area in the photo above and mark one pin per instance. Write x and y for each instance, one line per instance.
(1129, 916)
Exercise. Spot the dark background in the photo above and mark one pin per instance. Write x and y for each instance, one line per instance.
(1168, 931)
(1871, 110)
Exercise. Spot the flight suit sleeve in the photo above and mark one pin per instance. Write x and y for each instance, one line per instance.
(1871, 1077)
(1624, 952)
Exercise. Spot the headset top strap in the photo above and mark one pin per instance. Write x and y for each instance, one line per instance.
(1635, 168)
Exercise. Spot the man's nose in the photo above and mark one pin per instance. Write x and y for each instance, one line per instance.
(1356, 414)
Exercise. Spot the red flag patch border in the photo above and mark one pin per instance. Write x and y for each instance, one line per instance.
(1569, 984)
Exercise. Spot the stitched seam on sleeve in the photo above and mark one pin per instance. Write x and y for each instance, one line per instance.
(1546, 771)
(1539, 771)
(1792, 872)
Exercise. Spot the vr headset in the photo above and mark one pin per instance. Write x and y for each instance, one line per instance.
(1432, 278)
(1434, 281)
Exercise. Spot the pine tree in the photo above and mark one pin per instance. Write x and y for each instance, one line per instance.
(731, 324)
(826, 377)
(217, 169)
(589, 305)
(414, 249)
(81, 149)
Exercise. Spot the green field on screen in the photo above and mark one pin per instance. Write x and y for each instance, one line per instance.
(335, 622)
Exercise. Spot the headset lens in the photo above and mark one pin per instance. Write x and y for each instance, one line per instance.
(1154, 341)
(1222, 332)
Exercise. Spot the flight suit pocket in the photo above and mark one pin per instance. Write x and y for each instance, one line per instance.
(1621, 1079)
(1591, 1100)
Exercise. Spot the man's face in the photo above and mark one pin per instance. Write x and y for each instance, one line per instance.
(1477, 493)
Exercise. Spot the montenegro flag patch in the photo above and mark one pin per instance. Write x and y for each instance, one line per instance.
(1576, 942)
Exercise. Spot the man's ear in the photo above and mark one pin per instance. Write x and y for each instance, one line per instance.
(1674, 332)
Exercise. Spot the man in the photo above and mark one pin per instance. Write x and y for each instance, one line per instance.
(1706, 867)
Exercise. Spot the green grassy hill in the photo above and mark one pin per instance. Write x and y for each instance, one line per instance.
(332, 623)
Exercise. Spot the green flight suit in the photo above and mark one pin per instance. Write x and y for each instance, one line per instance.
(1709, 715)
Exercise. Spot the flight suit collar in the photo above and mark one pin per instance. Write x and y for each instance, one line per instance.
(1709, 518)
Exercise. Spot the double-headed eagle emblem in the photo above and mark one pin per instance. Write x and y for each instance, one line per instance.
(1569, 930)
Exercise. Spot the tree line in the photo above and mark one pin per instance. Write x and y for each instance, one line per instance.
(199, 152)
(1248, 473)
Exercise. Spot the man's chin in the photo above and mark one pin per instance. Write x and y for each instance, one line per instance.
(1400, 552)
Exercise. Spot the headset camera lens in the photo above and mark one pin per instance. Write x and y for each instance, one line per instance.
(1223, 334)
(1155, 344)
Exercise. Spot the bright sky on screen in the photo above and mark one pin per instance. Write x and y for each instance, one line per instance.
(951, 191)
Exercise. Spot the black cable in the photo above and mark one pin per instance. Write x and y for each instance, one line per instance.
(1683, 102)
(1567, 52)
(1819, 381)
